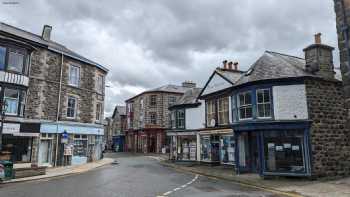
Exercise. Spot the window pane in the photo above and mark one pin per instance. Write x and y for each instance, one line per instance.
(2, 57)
(248, 98)
(266, 96)
(260, 97)
(15, 62)
(241, 99)
(74, 75)
(249, 112)
(261, 110)
(11, 93)
(267, 110)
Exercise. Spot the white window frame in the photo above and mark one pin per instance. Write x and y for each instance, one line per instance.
(263, 103)
(100, 83)
(225, 111)
(71, 66)
(75, 107)
(244, 105)
(98, 113)
(18, 101)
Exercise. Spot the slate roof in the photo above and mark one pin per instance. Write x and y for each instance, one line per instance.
(120, 109)
(51, 45)
(230, 75)
(272, 65)
(189, 97)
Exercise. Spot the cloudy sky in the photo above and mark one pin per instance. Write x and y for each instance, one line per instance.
(148, 43)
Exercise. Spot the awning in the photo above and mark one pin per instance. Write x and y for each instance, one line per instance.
(220, 131)
(71, 128)
(181, 133)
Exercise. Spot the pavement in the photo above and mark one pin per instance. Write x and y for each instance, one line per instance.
(287, 186)
(64, 171)
(134, 176)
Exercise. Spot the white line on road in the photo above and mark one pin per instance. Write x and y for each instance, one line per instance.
(181, 187)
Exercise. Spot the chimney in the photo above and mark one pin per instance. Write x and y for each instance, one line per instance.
(318, 38)
(46, 35)
(230, 65)
(319, 59)
(188, 84)
(225, 64)
(235, 65)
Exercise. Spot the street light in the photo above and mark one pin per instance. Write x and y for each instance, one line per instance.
(3, 109)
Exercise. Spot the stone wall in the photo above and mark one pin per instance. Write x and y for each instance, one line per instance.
(344, 47)
(43, 89)
(330, 140)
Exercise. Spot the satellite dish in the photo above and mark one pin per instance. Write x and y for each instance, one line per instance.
(212, 122)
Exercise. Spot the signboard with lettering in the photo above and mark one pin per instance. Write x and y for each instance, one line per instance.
(10, 128)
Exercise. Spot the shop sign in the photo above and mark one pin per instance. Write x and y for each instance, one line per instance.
(68, 150)
(10, 128)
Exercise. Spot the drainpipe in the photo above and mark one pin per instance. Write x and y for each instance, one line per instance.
(58, 109)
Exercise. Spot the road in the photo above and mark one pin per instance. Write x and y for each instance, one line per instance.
(135, 176)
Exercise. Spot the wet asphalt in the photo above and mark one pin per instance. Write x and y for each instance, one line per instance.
(134, 176)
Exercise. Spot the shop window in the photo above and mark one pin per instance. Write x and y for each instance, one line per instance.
(227, 146)
(210, 113)
(153, 100)
(245, 105)
(2, 58)
(80, 145)
(71, 107)
(284, 151)
(223, 111)
(74, 75)
(153, 117)
(263, 103)
(15, 61)
(180, 119)
(11, 98)
(187, 148)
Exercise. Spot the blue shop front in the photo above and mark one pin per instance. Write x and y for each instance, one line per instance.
(273, 148)
(119, 143)
(69, 143)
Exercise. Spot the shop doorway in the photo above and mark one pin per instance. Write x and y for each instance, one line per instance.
(152, 144)
(248, 152)
(253, 153)
(45, 152)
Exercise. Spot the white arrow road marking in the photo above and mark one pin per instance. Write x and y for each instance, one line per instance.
(181, 187)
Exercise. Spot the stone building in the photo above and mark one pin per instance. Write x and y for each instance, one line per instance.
(63, 102)
(148, 117)
(115, 135)
(288, 116)
(342, 10)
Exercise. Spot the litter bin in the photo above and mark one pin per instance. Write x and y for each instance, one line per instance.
(7, 169)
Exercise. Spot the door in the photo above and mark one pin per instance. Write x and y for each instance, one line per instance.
(45, 152)
(254, 152)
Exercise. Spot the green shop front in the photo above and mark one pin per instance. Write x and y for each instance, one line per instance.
(273, 148)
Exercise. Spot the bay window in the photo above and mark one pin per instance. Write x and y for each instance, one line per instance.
(11, 99)
(15, 61)
(98, 111)
(263, 103)
(223, 111)
(245, 105)
(2, 58)
(100, 84)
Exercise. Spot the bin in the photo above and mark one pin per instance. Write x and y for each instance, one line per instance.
(8, 168)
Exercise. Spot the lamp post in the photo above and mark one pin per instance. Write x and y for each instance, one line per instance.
(3, 108)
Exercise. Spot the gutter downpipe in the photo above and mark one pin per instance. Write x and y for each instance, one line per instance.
(58, 108)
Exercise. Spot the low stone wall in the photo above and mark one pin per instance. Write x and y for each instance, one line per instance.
(27, 172)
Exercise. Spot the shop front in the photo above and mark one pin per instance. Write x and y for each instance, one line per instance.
(273, 148)
(70, 144)
(217, 146)
(20, 142)
(183, 146)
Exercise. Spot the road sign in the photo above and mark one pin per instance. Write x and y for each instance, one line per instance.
(64, 138)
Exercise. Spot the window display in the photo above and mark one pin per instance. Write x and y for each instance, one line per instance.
(210, 146)
(80, 145)
(227, 145)
(284, 151)
(187, 148)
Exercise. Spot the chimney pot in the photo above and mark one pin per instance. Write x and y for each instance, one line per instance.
(189, 84)
(46, 34)
(225, 64)
(230, 65)
(318, 38)
(235, 65)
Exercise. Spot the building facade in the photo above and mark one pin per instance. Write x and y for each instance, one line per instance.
(61, 104)
(216, 138)
(148, 117)
(186, 120)
(288, 116)
(116, 131)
